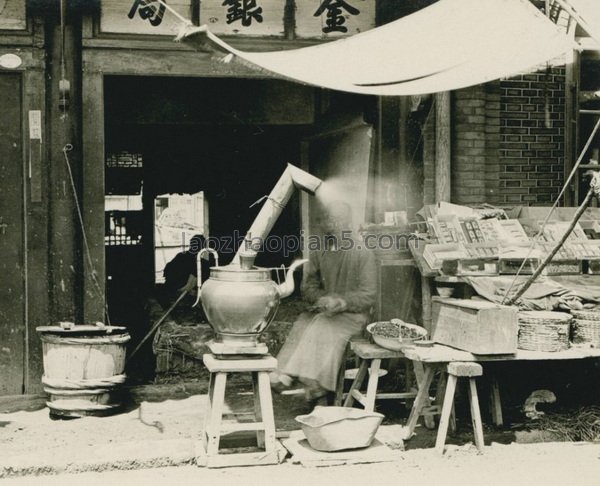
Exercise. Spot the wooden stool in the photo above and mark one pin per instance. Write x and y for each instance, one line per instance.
(456, 370)
(370, 356)
(263, 411)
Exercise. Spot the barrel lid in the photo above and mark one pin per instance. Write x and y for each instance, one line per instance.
(81, 329)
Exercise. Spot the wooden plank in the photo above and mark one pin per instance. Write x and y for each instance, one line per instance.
(142, 17)
(443, 153)
(12, 227)
(239, 365)
(379, 451)
(165, 63)
(37, 238)
(94, 283)
(421, 401)
(439, 353)
(245, 18)
(476, 415)
(366, 350)
(314, 19)
(64, 267)
(440, 440)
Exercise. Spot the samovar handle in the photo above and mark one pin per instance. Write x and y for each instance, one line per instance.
(199, 270)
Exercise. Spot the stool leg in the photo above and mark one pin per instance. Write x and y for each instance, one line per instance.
(260, 434)
(439, 397)
(360, 376)
(420, 401)
(213, 429)
(446, 410)
(339, 389)
(209, 406)
(266, 405)
(496, 404)
(372, 385)
(475, 414)
(418, 368)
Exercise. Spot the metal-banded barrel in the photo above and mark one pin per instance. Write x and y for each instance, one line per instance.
(83, 369)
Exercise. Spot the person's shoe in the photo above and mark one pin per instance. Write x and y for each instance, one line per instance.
(278, 387)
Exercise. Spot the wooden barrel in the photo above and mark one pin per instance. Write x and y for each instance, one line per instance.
(83, 369)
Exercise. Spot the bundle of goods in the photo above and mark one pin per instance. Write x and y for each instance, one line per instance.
(544, 331)
(586, 327)
(395, 334)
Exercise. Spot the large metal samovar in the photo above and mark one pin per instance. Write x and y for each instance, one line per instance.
(240, 300)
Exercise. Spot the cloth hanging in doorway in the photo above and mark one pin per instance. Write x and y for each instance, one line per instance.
(449, 45)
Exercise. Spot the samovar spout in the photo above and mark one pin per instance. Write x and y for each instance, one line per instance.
(287, 287)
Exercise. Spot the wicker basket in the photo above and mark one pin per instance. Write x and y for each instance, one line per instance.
(544, 331)
(586, 315)
(586, 332)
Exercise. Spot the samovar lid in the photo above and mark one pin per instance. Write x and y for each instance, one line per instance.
(233, 273)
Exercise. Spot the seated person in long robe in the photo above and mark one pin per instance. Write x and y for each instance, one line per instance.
(339, 285)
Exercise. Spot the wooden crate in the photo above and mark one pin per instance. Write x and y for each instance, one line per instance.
(475, 326)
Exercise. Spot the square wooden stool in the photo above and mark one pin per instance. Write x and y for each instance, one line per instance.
(264, 425)
(456, 370)
(370, 356)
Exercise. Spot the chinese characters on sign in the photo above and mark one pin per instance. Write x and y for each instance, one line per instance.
(335, 18)
(150, 10)
(244, 11)
(143, 16)
(312, 18)
(244, 17)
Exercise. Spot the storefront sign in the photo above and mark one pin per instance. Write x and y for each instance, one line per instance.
(143, 16)
(312, 18)
(243, 17)
(333, 18)
(13, 15)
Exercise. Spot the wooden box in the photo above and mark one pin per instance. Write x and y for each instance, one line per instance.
(476, 326)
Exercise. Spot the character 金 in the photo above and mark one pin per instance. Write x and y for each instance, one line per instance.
(335, 18)
(244, 10)
(149, 10)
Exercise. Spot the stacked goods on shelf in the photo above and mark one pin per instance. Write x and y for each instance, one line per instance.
(468, 242)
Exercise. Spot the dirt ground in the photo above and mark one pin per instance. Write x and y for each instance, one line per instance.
(165, 433)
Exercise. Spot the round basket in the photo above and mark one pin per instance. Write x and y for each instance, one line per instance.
(586, 315)
(544, 331)
(586, 332)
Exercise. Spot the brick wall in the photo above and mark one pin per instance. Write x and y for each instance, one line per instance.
(507, 141)
(532, 138)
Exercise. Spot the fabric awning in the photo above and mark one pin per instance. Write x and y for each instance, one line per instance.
(588, 12)
(450, 45)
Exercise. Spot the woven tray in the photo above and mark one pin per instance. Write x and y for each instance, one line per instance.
(586, 315)
(544, 331)
(586, 332)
